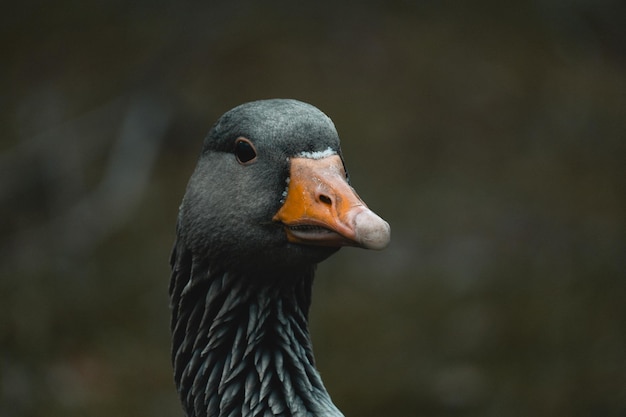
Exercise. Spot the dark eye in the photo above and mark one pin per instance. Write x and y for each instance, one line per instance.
(244, 151)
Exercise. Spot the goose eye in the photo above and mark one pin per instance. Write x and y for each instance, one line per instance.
(244, 151)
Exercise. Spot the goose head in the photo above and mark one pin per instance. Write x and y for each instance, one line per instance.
(271, 191)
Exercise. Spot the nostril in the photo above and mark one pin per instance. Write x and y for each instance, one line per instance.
(325, 199)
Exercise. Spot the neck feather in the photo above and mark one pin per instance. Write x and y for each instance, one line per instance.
(241, 344)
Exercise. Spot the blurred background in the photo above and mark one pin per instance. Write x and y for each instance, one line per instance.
(491, 135)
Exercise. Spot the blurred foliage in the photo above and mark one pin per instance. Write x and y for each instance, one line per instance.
(492, 136)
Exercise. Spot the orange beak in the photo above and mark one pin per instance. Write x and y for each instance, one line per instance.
(321, 208)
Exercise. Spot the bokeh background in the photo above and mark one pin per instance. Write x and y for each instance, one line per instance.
(491, 135)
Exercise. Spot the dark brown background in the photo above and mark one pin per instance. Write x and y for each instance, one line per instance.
(491, 135)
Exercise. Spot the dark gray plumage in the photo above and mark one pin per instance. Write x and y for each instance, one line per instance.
(240, 289)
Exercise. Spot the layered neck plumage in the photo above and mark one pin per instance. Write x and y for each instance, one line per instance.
(241, 344)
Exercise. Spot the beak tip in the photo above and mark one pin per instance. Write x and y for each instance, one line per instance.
(372, 232)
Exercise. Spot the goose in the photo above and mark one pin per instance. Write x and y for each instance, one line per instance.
(268, 200)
